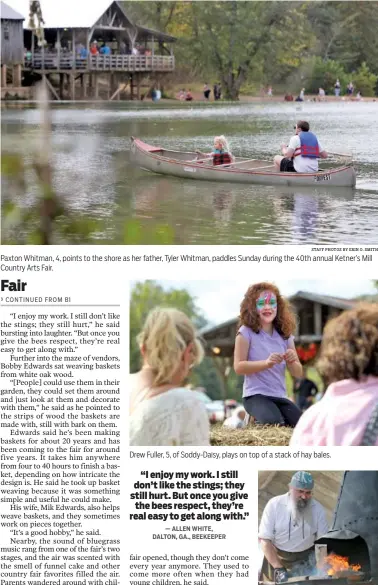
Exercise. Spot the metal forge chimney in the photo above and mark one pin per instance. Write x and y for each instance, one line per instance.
(354, 532)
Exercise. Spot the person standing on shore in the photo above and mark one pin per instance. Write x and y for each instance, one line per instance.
(206, 92)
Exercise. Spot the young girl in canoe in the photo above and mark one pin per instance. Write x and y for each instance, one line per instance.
(348, 412)
(162, 411)
(264, 347)
(221, 153)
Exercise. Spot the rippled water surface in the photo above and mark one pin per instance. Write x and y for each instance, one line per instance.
(92, 169)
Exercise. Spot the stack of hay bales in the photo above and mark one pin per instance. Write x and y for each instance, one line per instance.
(252, 435)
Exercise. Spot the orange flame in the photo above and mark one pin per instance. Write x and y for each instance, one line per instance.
(338, 563)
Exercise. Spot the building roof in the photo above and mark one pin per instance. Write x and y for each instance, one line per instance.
(335, 302)
(59, 19)
(8, 13)
(159, 35)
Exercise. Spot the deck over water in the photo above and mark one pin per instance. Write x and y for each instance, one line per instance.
(51, 62)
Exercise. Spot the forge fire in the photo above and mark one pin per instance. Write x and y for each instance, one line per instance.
(337, 564)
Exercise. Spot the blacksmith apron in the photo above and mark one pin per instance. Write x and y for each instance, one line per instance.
(288, 559)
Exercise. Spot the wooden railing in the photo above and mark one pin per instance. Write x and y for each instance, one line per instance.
(131, 63)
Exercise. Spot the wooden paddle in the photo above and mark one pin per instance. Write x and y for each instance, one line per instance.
(342, 154)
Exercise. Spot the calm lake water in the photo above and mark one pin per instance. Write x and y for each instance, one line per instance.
(92, 169)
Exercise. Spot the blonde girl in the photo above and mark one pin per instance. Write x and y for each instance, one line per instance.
(162, 411)
(221, 153)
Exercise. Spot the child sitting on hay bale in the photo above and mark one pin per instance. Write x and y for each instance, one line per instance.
(348, 413)
(264, 347)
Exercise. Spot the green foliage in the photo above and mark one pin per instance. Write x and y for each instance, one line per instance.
(365, 81)
(135, 234)
(245, 44)
(147, 295)
(346, 32)
(237, 39)
(311, 373)
(321, 73)
(207, 376)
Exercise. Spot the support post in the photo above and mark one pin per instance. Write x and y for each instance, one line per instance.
(88, 52)
(58, 49)
(3, 76)
(51, 88)
(74, 46)
(84, 85)
(117, 94)
(72, 76)
(96, 86)
(73, 73)
(61, 85)
(119, 87)
(17, 75)
(317, 318)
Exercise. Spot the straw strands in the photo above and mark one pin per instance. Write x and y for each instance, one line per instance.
(253, 435)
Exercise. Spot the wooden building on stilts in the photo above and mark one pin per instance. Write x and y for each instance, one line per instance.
(113, 57)
(12, 48)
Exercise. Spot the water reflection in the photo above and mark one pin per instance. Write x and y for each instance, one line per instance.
(92, 169)
(223, 200)
(306, 207)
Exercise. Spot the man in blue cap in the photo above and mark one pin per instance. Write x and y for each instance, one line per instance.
(289, 527)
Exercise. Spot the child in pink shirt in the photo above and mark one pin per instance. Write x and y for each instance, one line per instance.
(348, 413)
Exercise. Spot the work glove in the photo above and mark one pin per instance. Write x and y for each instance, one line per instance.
(280, 575)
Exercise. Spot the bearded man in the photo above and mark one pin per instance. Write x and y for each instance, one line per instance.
(289, 527)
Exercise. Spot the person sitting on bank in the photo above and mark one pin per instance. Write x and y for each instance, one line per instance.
(301, 156)
(221, 154)
(289, 527)
(188, 96)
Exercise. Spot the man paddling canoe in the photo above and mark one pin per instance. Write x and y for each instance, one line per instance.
(301, 156)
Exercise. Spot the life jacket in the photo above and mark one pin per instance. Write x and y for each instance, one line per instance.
(221, 158)
(309, 145)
